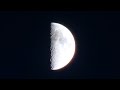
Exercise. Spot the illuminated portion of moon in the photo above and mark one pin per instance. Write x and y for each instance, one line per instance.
(62, 46)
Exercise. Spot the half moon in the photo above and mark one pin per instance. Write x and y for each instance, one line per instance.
(62, 46)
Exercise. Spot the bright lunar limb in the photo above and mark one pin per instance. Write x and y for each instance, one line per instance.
(62, 46)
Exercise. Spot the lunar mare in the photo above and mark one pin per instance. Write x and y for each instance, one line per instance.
(62, 46)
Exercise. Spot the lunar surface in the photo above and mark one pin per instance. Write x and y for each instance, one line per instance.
(62, 46)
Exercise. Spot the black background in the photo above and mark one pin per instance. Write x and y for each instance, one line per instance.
(25, 41)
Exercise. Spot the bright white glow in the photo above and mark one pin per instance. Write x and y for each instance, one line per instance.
(62, 46)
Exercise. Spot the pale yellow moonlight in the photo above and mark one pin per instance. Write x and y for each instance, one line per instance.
(62, 46)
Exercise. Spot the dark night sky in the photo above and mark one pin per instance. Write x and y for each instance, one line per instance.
(25, 45)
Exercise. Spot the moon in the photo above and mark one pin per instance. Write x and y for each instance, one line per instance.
(62, 46)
